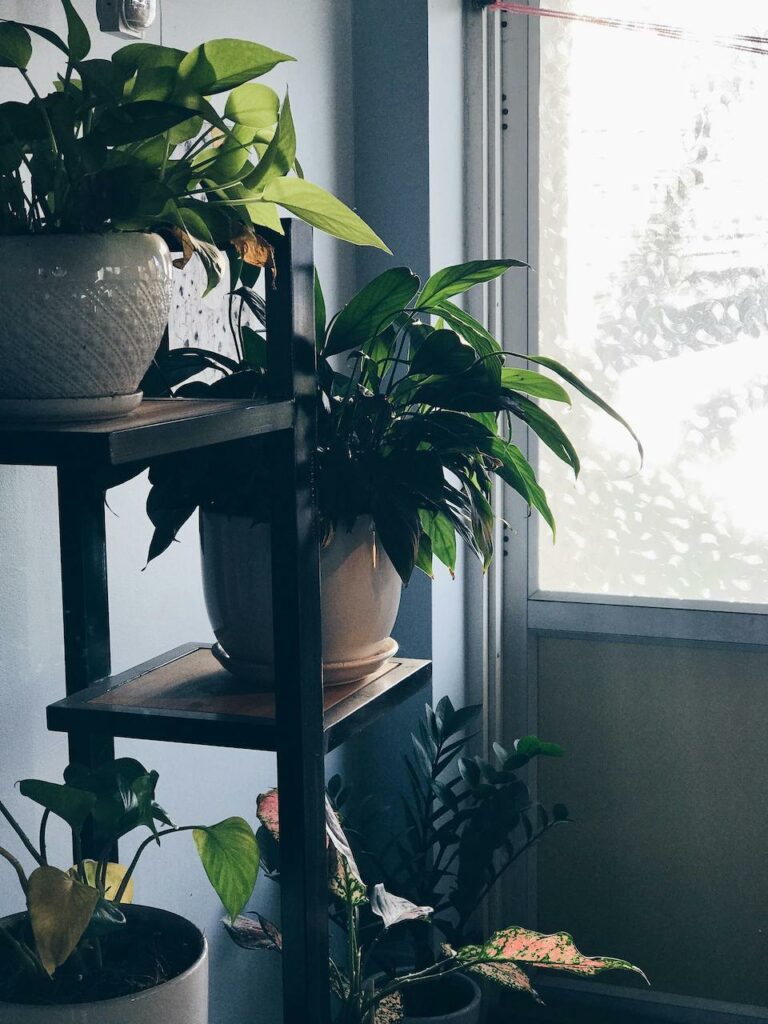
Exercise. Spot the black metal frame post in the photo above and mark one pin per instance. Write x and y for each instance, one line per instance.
(297, 634)
(85, 603)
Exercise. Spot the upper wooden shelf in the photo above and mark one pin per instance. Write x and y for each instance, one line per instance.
(158, 426)
(185, 696)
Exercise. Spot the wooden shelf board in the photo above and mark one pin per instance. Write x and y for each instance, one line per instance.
(185, 696)
(158, 426)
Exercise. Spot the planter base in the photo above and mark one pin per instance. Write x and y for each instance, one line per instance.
(66, 410)
(259, 678)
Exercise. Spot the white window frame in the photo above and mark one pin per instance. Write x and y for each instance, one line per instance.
(502, 58)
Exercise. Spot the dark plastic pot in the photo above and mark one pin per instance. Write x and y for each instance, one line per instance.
(181, 1000)
(452, 1000)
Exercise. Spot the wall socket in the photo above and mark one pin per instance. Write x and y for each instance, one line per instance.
(126, 18)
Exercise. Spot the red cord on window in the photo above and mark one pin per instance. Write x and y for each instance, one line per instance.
(747, 43)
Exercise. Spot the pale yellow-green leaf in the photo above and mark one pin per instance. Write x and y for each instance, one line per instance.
(115, 875)
(230, 855)
(253, 104)
(322, 210)
(60, 909)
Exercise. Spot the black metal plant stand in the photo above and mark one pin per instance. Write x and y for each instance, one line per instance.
(184, 695)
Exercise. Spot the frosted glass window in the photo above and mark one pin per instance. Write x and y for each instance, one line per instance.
(651, 278)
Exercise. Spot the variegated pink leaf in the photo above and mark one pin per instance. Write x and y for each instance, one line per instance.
(268, 812)
(255, 933)
(394, 909)
(556, 951)
(508, 975)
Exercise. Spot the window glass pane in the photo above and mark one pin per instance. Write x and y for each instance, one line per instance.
(651, 278)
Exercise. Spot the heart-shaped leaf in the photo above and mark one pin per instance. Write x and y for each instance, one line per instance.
(230, 855)
(254, 105)
(60, 909)
(15, 46)
(114, 876)
(223, 64)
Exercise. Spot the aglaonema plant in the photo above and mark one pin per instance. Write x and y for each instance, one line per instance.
(134, 143)
(61, 945)
(362, 994)
(415, 418)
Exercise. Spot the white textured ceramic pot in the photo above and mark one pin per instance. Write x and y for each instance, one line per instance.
(81, 318)
(462, 992)
(360, 598)
(181, 1000)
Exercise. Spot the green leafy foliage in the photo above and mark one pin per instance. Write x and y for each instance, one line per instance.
(134, 144)
(70, 912)
(415, 423)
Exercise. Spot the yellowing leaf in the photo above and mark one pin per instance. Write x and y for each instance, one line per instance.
(253, 249)
(60, 909)
(230, 855)
(115, 875)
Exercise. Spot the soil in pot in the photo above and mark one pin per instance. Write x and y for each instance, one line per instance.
(150, 949)
(435, 1000)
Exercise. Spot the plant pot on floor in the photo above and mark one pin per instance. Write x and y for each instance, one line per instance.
(82, 317)
(360, 598)
(163, 944)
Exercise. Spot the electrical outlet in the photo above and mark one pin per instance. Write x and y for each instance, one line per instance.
(127, 18)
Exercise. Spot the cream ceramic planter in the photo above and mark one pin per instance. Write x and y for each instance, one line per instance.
(360, 598)
(182, 1000)
(81, 317)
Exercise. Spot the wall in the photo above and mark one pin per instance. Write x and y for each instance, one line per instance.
(162, 607)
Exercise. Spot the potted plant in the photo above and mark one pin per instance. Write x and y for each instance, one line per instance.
(82, 952)
(414, 424)
(466, 822)
(365, 995)
(124, 157)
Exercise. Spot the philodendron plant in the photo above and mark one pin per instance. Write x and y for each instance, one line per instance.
(362, 994)
(134, 144)
(415, 418)
(59, 951)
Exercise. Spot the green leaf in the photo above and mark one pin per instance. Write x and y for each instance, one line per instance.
(60, 909)
(280, 154)
(535, 384)
(146, 55)
(224, 64)
(320, 312)
(67, 802)
(322, 210)
(254, 348)
(582, 388)
(15, 46)
(78, 39)
(472, 331)
(548, 429)
(438, 527)
(372, 310)
(124, 792)
(254, 105)
(460, 278)
(134, 122)
(230, 855)
(443, 352)
(516, 471)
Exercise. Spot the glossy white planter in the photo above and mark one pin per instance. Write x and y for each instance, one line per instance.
(81, 317)
(360, 598)
(182, 1000)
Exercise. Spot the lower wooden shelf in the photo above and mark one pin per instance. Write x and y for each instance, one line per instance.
(185, 696)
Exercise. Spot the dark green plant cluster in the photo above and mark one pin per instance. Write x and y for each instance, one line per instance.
(57, 950)
(415, 418)
(135, 144)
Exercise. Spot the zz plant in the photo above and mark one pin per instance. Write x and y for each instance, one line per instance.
(365, 916)
(134, 143)
(415, 418)
(60, 951)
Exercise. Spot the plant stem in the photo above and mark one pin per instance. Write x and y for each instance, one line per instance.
(150, 839)
(17, 868)
(20, 833)
(43, 827)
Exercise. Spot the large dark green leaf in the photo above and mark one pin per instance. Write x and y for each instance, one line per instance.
(438, 527)
(78, 39)
(399, 529)
(535, 384)
(146, 55)
(443, 352)
(460, 278)
(548, 429)
(372, 310)
(67, 802)
(15, 46)
(472, 331)
(134, 122)
(582, 388)
(223, 64)
(516, 471)
(124, 792)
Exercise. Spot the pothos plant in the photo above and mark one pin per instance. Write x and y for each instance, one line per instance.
(60, 949)
(415, 418)
(466, 821)
(134, 143)
(362, 994)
